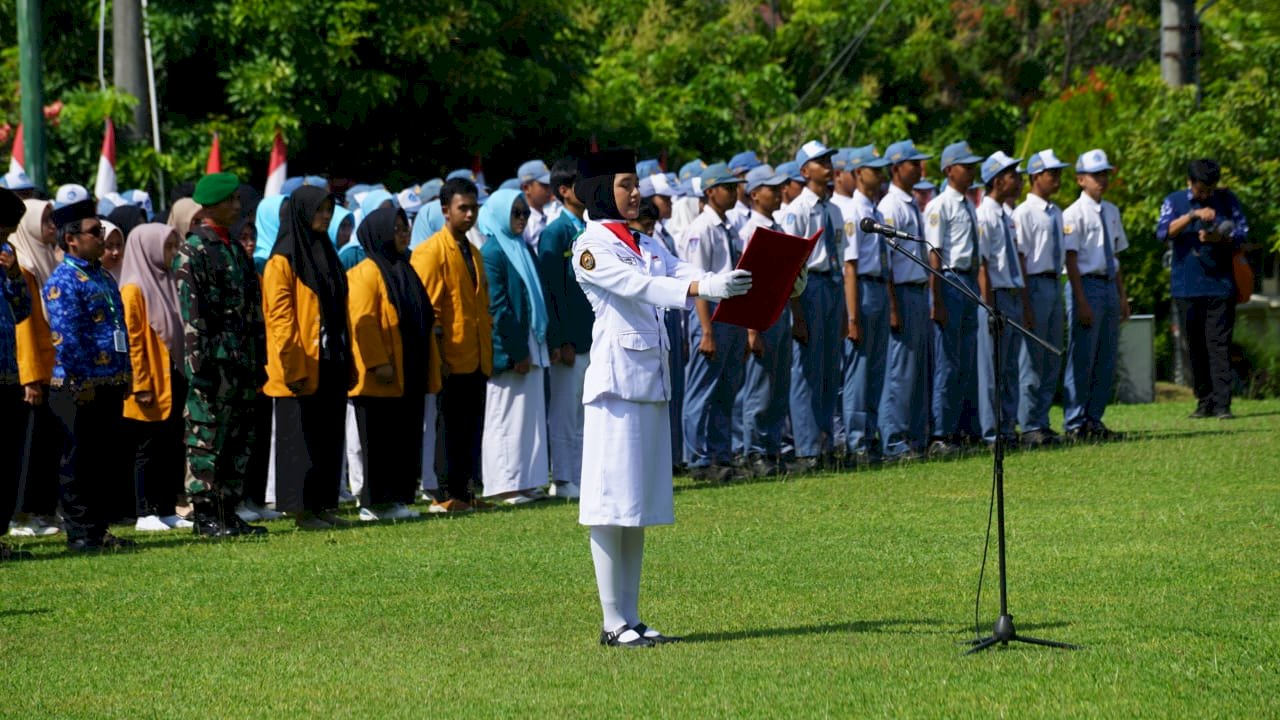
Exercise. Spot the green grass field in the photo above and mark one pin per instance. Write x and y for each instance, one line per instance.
(844, 595)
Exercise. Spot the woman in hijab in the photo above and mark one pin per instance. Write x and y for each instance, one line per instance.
(112, 249)
(153, 408)
(183, 215)
(341, 227)
(35, 244)
(267, 223)
(127, 217)
(428, 222)
(514, 454)
(397, 365)
(308, 359)
(245, 233)
(626, 462)
(351, 253)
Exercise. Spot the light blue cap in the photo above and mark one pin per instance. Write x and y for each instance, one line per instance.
(812, 150)
(791, 169)
(924, 185)
(17, 180)
(510, 184)
(533, 171)
(316, 181)
(1093, 161)
(69, 194)
(866, 156)
(904, 150)
(996, 164)
(291, 184)
(650, 166)
(716, 175)
(691, 169)
(430, 190)
(958, 154)
(842, 160)
(764, 175)
(743, 162)
(1044, 160)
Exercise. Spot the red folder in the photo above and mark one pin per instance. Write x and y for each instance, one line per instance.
(775, 260)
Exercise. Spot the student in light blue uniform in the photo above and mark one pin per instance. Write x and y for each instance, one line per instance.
(815, 365)
(1096, 301)
(1000, 277)
(766, 390)
(866, 297)
(951, 226)
(715, 369)
(904, 406)
(1039, 226)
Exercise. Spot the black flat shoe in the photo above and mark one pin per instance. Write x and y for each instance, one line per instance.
(208, 525)
(654, 636)
(237, 523)
(611, 639)
(111, 542)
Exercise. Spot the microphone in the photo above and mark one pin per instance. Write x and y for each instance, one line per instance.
(871, 226)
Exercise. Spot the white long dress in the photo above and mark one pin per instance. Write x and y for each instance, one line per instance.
(626, 455)
(513, 455)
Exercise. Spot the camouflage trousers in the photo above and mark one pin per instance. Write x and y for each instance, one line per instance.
(220, 431)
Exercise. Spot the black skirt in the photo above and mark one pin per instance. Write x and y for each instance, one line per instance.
(390, 447)
(309, 439)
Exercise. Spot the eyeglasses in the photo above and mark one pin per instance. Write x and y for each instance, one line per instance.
(95, 231)
(517, 213)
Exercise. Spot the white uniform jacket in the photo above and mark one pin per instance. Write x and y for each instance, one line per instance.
(628, 292)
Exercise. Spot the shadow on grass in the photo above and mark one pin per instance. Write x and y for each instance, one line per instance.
(24, 612)
(891, 626)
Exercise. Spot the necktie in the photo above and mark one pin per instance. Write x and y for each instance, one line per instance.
(1011, 252)
(918, 248)
(828, 235)
(973, 237)
(1106, 244)
(1055, 236)
(734, 252)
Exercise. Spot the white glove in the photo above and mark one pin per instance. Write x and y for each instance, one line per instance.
(802, 282)
(724, 285)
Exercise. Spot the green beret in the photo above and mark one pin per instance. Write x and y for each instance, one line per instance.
(213, 189)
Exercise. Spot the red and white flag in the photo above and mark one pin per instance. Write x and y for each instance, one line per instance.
(18, 160)
(214, 165)
(477, 169)
(277, 169)
(106, 182)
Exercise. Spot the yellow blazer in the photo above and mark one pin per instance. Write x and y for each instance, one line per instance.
(461, 307)
(375, 335)
(292, 313)
(35, 342)
(149, 358)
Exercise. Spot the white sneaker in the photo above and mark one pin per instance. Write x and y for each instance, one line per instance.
(177, 522)
(400, 512)
(264, 513)
(21, 530)
(247, 513)
(566, 490)
(518, 500)
(151, 523)
(368, 515)
(33, 527)
(536, 494)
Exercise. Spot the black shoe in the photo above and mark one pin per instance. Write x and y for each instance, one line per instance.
(1101, 432)
(711, 473)
(206, 524)
(610, 639)
(762, 467)
(910, 455)
(654, 636)
(84, 545)
(8, 554)
(941, 450)
(1200, 413)
(805, 465)
(1225, 415)
(111, 542)
(237, 523)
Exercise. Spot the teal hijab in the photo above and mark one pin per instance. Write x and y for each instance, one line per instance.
(267, 222)
(495, 223)
(339, 215)
(429, 221)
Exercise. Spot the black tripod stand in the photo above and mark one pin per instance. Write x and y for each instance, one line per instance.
(1003, 631)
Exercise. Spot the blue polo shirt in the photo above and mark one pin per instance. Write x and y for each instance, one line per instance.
(1201, 269)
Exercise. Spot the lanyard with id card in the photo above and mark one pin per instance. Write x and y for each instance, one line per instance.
(119, 340)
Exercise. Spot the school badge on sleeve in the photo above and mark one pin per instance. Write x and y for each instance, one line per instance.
(1068, 229)
(587, 260)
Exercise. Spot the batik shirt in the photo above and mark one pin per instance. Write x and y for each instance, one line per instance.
(221, 304)
(86, 323)
(15, 309)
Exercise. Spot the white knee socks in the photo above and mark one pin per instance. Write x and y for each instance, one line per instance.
(618, 553)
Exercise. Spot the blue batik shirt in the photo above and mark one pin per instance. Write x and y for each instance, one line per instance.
(1201, 269)
(15, 308)
(85, 315)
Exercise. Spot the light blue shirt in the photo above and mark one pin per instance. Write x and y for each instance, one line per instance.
(951, 229)
(898, 208)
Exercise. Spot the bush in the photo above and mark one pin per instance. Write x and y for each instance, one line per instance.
(1255, 360)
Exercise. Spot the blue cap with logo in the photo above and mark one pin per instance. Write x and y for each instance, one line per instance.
(924, 185)
(997, 163)
(903, 151)
(657, 184)
(1042, 161)
(410, 200)
(1093, 161)
(866, 156)
(691, 169)
(510, 184)
(743, 162)
(647, 167)
(430, 190)
(17, 180)
(717, 175)
(791, 169)
(69, 194)
(842, 160)
(764, 175)
(958, 154)
(812, 150)
(534, 171)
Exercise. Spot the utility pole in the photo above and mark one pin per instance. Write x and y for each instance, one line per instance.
(128, 66)
(31, 76)
(1178, 46)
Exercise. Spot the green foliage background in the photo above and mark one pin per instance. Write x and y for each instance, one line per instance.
(402, 91)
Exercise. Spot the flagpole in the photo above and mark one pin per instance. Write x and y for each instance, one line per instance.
(155, 114)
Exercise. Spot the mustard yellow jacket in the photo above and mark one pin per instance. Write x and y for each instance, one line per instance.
(461, 306)
(375, 335)
(149, 358)
(292, 313)
(35, 341)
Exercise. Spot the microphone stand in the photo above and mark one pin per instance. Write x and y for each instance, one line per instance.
(1003, 631)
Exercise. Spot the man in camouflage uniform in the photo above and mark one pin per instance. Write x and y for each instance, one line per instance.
(221, 304)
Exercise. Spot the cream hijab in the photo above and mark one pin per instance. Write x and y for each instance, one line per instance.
(181, 215)
(143, 265)
(33, 255)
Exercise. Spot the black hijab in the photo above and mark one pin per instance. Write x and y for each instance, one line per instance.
(127, 217)
(377, 235)
(315, 262)
(596, 173)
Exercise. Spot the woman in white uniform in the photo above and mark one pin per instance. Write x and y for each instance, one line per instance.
(630, 279)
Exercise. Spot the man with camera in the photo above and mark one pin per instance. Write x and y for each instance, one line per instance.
(1204, 226)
